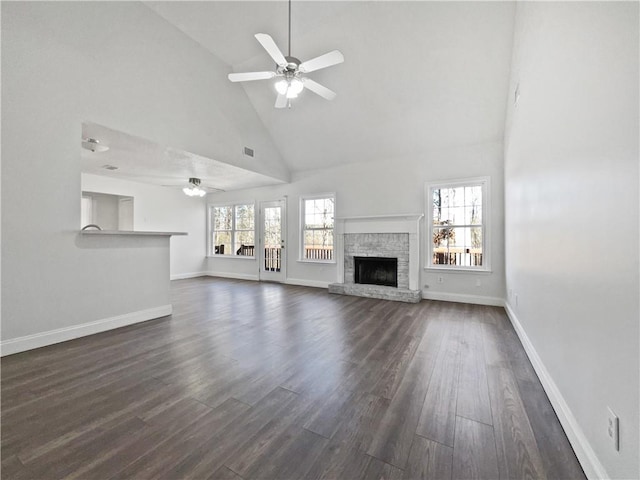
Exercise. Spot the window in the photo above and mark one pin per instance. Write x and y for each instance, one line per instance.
(232, 230)
(316, 220)
(458, 224)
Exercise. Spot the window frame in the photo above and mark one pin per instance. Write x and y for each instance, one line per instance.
(303, 199)
(485, 183)
(211, 230)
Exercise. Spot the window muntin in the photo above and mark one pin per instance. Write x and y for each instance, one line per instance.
(458, 225)
(233, 230)
(317, 221)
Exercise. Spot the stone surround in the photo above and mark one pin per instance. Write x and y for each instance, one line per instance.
(390, 236)
(389, 245)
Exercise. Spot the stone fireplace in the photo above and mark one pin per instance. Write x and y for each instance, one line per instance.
(382, 249)
(377, 245)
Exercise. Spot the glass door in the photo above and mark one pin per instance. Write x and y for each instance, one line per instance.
(272, 234)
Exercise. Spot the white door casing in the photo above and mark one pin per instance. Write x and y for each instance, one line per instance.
(271, 244)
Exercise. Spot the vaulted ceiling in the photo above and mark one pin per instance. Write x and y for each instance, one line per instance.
(418, 76)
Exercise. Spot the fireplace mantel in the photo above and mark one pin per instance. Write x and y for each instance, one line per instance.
(400, 223)
(405, 223)
(406, 216)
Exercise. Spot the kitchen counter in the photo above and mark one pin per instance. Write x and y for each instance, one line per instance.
(130, 232)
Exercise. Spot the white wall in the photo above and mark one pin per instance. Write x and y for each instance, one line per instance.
(116, 64)
(390, 187)
(104, 210)
(571, 206)
(163, 209)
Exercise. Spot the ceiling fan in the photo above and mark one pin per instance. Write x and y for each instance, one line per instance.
(291, 70)
(195, 188)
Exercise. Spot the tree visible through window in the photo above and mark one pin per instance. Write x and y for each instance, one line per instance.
(457, 224)
(233, 229)
(317, 227)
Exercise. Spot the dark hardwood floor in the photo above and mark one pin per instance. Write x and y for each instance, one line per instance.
(256, 380)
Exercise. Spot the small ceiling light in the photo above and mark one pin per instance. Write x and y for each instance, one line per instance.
(296, 86)
(194, 190)
(93, 145)
(282, 86)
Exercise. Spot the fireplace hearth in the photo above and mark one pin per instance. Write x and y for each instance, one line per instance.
(376, 271)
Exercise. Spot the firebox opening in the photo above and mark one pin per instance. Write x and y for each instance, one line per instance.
(376, 271)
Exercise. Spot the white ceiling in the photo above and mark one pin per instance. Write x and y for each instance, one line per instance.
(144, 161)
(418, 77)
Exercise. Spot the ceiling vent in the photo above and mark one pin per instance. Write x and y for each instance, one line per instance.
(248, 151)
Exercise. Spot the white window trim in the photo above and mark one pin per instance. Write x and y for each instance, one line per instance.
(301, 227)
(486, 223)
(210, 245)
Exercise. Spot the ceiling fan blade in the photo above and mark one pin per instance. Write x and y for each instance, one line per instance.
(272, 49)
(248, 76)
(318, 89)
(281, 101)
(323, 61)
(212, 189)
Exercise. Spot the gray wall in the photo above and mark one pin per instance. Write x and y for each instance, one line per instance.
(116, 64)
(394, 186)
(163, 209)
(105, 209)
(571, 216)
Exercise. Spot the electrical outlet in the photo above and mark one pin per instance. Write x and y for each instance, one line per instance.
(478, 282)
(613, 428)
(440, 279)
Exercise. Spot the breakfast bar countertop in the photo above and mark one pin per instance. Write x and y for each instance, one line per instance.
(130, 232)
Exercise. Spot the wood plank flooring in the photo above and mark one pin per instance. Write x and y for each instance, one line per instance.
(257, 380)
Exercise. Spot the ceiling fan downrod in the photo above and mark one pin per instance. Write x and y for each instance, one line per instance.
(289, 28)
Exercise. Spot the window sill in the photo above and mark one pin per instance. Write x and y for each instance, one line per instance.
(241, 257)
(320, 262)
(459, 270)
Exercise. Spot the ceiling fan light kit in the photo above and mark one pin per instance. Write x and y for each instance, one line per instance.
(289, 70)
(290, 88)
(194, 190)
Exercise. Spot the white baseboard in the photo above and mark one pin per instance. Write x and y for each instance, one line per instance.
(252, 277)
(307, 283)
(29, 342)
(182, 276)
(462, 298)
(581, 446)
(237, 276)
